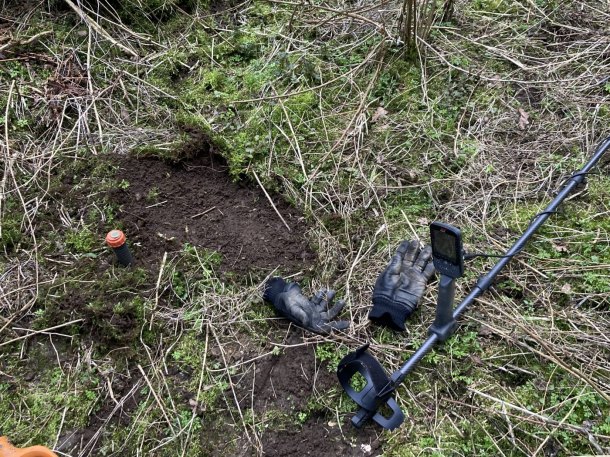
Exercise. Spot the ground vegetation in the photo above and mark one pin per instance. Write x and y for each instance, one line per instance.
(233, 140)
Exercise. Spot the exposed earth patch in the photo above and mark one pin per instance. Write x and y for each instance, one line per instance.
(321, 437)
(165, 205)
(286, 384)
(286, 381)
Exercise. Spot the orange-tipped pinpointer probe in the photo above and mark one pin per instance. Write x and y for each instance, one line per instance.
(118, 242)
(8, 450)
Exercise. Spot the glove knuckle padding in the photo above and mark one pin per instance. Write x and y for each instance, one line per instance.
(395, 297)
(289, 302)
(411, 252)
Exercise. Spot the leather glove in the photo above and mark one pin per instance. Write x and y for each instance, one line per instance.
(311, 314)
(399, 289)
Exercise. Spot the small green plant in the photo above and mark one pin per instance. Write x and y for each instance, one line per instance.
(82, 241)
(22, 123)
(179, 285)
(328, 352)
(302, 417)
(152, 195)
(463, 344)
(357, 382)
(189, 351)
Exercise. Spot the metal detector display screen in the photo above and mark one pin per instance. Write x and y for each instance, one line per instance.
(445, 245)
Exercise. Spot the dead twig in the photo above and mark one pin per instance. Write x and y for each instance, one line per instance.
(25, 42)
(270, 200)
(37, 332)
(98, 28)
(202, 213)
(157, 399)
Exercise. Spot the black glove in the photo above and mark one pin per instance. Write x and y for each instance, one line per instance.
(310, 314)
(400, 287)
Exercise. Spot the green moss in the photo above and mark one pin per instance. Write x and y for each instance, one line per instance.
(189, 351)
(10, 232)
(300, 107)
(412, 204)
(82, 241)
(54, 399)
(109, 304)
(214, 80)
(147, 15)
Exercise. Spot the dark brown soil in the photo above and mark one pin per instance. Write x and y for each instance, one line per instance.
(321, 437)
(167, 205)
(286, 383)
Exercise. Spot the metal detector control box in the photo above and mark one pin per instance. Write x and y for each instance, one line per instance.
(447, 250)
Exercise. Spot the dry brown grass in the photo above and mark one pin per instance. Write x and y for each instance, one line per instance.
(533, 109)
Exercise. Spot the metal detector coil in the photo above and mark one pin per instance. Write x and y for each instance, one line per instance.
(376, 393)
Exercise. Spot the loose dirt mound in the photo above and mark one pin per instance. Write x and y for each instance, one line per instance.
(287, 383)
(320, 437)
(166, 205)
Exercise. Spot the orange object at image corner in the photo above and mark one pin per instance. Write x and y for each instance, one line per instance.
(8, 450)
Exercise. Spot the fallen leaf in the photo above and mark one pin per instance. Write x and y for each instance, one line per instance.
(559, 247)
(566, 288)
(485, 331)
(379, 113)
(523, 119)
(476, 359)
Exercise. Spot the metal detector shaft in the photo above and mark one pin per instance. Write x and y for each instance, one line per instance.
(380, 388)
(485, 281)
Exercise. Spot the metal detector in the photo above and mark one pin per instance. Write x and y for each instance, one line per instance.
(448, 257)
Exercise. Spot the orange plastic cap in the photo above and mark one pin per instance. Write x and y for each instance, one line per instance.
(115, 238)
(8, 450)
